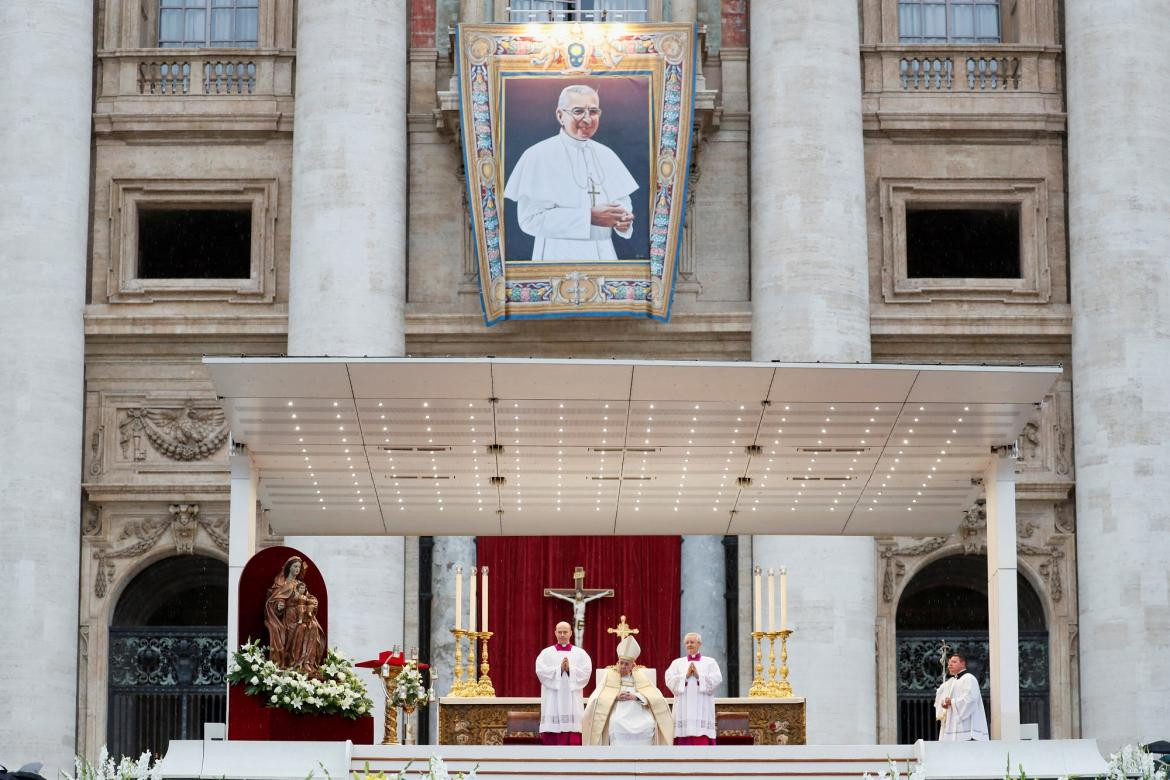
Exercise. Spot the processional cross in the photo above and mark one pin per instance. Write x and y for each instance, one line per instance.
(623, 629)
(944, 652)
(579, 596)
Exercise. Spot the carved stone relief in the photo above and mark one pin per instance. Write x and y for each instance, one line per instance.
(138, 537)
(1046, 441)
(186, 433)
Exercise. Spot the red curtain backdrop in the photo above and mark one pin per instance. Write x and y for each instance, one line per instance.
(643, 572)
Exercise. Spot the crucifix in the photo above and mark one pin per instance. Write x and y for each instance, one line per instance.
(578, 596)
(593, 192)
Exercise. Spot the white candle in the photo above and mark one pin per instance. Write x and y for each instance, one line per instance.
(758, 622)
(483, 623)
(783, 598)
(471, 606)
(771, 600)
(458, 597)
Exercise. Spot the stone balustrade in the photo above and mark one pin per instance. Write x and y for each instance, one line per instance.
(231, 84)
(957, 84)
(1008, 68)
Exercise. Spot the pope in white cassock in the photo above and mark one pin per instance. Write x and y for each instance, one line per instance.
(959, 705)
(627, 708)
(563, 671)
(693, 680)
(573, 193)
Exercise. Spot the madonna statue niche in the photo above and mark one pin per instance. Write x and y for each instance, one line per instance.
(283, 629)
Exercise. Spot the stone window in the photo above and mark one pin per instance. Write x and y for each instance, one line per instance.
(956, 241)
(208, 23)
(192, 239)
(577, 10)
(949, 21)
(970, 239)
(194, 243)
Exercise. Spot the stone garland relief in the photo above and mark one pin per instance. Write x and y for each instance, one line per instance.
(971, 536)
(187, 433)
(138, 537)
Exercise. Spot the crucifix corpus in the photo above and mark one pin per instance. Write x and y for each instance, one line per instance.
(578, 596)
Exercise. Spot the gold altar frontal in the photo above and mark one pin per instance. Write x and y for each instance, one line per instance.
(482, 721)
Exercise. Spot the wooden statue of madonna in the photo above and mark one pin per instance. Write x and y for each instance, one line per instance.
(295, 637)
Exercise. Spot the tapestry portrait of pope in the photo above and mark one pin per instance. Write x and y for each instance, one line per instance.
(577, 156)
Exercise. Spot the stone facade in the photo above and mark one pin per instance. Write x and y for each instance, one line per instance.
(203, 127)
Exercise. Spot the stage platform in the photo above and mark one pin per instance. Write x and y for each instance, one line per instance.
(941, 761)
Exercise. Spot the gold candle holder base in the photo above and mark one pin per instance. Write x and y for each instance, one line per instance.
(759, 687)
(484, 689)
(460, 687)
(783, 688)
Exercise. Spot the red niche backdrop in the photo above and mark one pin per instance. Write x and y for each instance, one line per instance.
(257, 578)
(643, 572)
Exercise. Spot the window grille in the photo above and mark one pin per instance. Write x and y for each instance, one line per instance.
(577, 11)
(949, 21)
(208, 23)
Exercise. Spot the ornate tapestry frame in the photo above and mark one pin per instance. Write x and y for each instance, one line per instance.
(535, 290)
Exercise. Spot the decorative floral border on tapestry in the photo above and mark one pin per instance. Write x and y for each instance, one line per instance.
(520, 288)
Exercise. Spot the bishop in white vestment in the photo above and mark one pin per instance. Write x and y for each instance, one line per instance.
(693, 680)
(627, 708)
(563, 671)
(965, 719)
(573, 193)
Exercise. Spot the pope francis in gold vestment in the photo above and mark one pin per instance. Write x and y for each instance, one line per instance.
(627, 708)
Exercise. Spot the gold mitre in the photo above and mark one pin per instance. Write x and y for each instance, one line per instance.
(628, 649)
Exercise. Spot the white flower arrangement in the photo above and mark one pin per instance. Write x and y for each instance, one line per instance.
(409, 690)
(107, 768)
(336, 691)
(913, 772)
(436, 770)
(1133, 761)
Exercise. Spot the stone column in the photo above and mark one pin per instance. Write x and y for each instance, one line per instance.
(810, 289)
(347, 270)
(448, 552)
(46, 98)
(810, 301)
(471, 11)
(704, 608)
(1119, 226)
(347, 276)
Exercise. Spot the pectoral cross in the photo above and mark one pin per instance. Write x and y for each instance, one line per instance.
(593, 192)
(623, 629)
(579, 596)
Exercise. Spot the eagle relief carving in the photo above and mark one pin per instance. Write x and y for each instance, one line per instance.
(185, 434)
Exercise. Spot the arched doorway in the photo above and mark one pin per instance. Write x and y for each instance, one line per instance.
(947, 602)
(168, 655)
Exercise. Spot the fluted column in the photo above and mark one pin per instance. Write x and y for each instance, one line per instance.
(348, 267)
(1119, 226)
(46, 96)
(810, 290)
(347, 276)
(810, 301)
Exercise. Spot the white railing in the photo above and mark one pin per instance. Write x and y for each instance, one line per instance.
(925, 69)
(204, 72)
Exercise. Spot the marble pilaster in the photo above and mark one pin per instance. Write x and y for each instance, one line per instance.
(448, 552)
(703, 608)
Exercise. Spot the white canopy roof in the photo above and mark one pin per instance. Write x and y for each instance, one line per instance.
(402, 445)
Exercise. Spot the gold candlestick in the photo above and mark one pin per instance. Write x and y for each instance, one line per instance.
(471, 687)
(759, 687)
(772, 685)
(784, 688)
(459, 686)
(484, 689)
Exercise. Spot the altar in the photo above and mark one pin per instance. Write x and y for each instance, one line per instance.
(483, 721)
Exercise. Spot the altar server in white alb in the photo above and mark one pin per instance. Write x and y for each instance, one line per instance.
(965, 719)
(693, 680)
(573, 193)
(563, 670)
